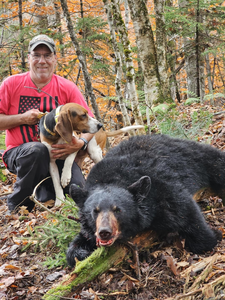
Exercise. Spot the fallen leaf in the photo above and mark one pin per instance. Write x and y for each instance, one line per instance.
(23, 211)
(7, 281)
(12, 267)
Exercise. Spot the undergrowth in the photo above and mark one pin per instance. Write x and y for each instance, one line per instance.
(53, 237)
(183, 126)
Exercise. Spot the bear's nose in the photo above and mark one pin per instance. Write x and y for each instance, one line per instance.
(105, 234)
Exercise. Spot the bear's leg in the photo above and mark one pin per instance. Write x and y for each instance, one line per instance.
(199, 237)
(80, 248)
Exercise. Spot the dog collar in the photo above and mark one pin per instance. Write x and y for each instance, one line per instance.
(57, 111)
(56, 120)
(48, 130)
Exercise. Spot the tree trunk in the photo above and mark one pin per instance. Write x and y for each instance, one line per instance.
(131, 89)
(210, 86)
(193, 59)
(87, 79)
(147, 50)
(20, 13)
(58, 23)
(161, 47)
(118, 66)
(41, 19)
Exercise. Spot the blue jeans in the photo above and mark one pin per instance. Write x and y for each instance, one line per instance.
(30, 162)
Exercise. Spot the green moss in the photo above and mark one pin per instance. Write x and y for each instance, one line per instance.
(127, 52)
(129, 76)
(97, 263)
(2, 176)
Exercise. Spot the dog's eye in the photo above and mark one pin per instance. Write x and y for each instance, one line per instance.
(116, 209)
(84, 116)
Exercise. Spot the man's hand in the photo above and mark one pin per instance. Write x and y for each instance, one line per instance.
(63, 150)
(31, 117)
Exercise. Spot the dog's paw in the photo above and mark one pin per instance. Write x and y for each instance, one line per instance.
(59, 197)
(58, 202)
(65, 178)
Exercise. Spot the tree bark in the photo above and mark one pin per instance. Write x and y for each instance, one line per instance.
(210, 86)
(146, 49)
(87, 79)
(20, 13)
(161, 47)
(41, 18)
(131, 89)
(193, 59)
(118, 66)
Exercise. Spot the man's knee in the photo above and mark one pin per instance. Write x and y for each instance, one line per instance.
(37, 151)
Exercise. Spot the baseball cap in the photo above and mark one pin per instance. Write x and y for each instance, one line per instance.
(40, 40)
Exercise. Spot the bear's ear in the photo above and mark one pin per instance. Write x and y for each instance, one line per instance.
(78, 194)
(141, 188)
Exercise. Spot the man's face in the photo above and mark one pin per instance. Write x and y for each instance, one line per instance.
(42, 64)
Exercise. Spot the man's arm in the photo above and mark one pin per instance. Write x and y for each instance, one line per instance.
(30, 117)
(61, 150)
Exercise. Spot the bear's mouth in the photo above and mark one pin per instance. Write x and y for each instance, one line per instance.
(106, 242)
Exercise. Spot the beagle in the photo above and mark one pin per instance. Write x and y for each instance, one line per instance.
(57, 127)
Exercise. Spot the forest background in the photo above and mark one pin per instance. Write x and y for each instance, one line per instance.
(135, 61)
(129, 57)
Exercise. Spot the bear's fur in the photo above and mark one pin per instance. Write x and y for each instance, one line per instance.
(147, 182)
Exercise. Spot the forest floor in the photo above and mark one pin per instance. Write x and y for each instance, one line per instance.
(168, 272)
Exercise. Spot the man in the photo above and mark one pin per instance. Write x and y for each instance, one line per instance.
(22, 98)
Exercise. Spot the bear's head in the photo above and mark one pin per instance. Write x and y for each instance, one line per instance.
(112, 212)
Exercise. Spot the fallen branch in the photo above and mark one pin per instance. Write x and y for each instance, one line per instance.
(100, 261)
(34, 199)
(5, 194)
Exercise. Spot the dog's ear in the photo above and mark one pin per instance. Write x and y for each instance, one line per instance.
(64, 126)
(78, 194)
(140, 188)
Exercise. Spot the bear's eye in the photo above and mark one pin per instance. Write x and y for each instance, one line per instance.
(116, 209)
(96, 210)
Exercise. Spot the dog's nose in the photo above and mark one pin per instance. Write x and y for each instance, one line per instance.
(99, 126)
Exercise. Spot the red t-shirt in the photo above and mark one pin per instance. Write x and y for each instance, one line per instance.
(16, 98)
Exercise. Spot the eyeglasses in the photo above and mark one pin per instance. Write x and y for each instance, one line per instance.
(37, 56)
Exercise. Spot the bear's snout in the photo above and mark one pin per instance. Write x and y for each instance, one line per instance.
(107, 229)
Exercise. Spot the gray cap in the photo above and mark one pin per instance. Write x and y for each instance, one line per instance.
(40, 40)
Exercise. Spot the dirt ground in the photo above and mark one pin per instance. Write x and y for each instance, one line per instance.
(167, 270)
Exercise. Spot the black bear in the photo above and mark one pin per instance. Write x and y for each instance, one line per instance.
(147, 182)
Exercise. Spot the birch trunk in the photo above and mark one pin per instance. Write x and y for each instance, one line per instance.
(210, 86)
(146, 49)
(161, 47)
(87, 79)
(131, 89)
(119, 71)
(174, 89)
